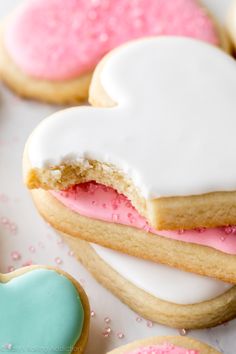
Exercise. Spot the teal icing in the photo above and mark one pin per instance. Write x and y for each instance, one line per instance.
(40, 312)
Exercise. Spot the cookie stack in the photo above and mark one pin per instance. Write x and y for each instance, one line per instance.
(147, 171)
(141, 183)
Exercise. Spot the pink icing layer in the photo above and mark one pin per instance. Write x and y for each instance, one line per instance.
(104, 203)
(163, 349)
(59, 40)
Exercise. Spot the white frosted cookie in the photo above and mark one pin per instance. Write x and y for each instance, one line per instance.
(36, 303)
(156, 292)
(49, 49)
(150, 145)
(165, 345)
(147, 139)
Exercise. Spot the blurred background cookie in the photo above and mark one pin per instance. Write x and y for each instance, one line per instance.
(165, 345)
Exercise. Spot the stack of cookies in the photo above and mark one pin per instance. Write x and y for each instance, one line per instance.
(147, 171)
(141, 183)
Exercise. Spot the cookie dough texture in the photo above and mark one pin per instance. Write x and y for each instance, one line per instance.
(183, 255)
(82, 342)
(185, 342)
(202, 315)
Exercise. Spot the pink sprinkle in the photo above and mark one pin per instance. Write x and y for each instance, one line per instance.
(200, 229)
(4, 221)
(10, 269)
(92, 313)
(183, 332)
(131, 218)
(105, 334)
(58, 260)
(107, 320)
(27, 263)
(120, 335)
(149, 324)
(15, 256)
(13, 228)
(139, 319)
(146, 227)
(115, 217)
(108, 330)
(71, 253)
(181, 231)
(228, 230)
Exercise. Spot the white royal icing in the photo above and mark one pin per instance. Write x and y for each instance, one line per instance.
(163, 282)
(173, 129)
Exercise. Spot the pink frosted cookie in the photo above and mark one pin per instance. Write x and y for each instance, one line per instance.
(166, 345)
(50, 48)
(160, 193)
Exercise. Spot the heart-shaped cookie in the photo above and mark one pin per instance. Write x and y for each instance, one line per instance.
(163, 105)
(166, 345)
(49, 48)
(158, 144)
(43, 310)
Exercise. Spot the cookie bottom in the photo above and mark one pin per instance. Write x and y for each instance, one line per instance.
(185, 342)
(201, 315)
(58, 92)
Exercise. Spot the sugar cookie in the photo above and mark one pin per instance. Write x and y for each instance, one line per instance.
(36, 303)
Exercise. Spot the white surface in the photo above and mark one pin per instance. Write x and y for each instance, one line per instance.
(17, 119)
(161, 281)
